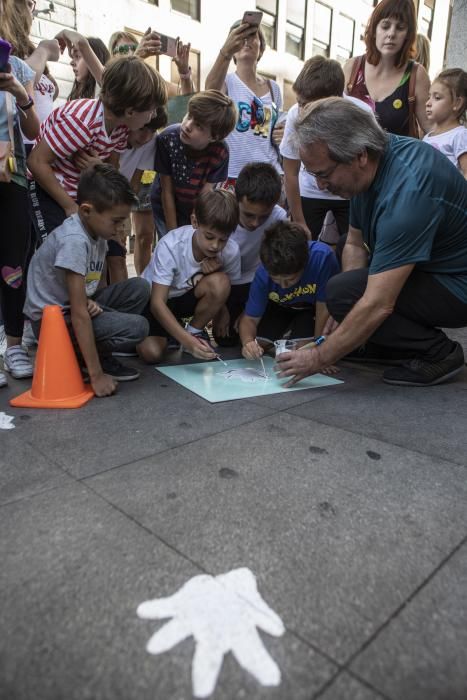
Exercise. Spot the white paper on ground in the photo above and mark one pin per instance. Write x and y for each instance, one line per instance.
(6, 422)
(222, 614)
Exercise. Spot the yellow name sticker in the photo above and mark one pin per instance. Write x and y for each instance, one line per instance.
(397, 104)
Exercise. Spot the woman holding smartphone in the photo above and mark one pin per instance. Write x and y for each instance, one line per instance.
(16, 110)
(258, 99)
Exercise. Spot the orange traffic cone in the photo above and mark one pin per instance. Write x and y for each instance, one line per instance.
(57, 381)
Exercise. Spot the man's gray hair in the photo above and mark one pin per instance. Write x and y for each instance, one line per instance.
(346, 129)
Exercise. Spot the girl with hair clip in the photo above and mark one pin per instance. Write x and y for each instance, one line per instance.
(88, 58)
(446, 111)
(387, 77)
(16, 110)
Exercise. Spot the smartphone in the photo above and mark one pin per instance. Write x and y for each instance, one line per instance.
(169, 45)
(253, 18)
(5, 49)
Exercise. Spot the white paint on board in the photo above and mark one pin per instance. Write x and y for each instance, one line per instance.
(222, 613)
(249, 375)
(6, 422)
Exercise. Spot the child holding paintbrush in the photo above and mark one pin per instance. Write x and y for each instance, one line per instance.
(190, 272)
(287, 295)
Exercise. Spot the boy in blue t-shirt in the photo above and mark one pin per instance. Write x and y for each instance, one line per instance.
(287, 295)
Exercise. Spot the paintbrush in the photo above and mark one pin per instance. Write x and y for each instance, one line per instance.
(314, 343)
(261, 360)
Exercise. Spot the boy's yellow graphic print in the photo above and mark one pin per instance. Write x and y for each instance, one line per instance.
(290, 296)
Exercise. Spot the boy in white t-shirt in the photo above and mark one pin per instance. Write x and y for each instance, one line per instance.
(191, 270)
(258, 190)
(320, 77)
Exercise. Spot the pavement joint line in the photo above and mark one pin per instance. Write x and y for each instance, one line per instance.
(172, 447)
(330, 682)
(371, 437)
(404, 604)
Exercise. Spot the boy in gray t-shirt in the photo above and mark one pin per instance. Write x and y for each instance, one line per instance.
(66, 271)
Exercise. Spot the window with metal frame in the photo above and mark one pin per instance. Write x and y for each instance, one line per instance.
(295, 27)
(269, 21)
(188, 7)
(426, 24)
(346, 36)
(322, 26)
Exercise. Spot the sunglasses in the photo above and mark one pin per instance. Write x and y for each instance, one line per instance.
(125, 48)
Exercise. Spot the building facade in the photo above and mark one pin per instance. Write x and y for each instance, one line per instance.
(295, 30)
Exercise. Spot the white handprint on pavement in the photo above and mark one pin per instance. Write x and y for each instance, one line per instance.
(222, 614)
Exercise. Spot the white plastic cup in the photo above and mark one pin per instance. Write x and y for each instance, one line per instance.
(284, 345)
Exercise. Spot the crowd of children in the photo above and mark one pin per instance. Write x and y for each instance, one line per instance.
(236, 219)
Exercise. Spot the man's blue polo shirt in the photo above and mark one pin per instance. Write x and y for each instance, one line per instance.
(415, 212)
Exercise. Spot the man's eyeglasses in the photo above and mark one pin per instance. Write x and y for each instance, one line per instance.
(325, 177)
(125, 48)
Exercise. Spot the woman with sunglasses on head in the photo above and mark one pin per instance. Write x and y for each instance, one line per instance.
(386, 77)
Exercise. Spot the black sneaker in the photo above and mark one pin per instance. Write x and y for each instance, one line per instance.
(422, 373)
(117, 371)
(228, 341)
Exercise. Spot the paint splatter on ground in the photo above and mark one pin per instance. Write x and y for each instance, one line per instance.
(249, 375)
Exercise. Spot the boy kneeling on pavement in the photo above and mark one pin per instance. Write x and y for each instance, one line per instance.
(66, 271)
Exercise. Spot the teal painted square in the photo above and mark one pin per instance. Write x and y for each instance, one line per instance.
(204, 379)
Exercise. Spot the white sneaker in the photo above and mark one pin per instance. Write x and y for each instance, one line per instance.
(3, 381)
(2, 340)
(16, 361)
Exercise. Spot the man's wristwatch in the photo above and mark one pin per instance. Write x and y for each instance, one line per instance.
(28, 105)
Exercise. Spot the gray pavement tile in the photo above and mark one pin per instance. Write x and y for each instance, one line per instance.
(425, 419)
(23, 471)
(421, 654)
(342, 528)
(73, 573)
(346, 687)
(143, 418)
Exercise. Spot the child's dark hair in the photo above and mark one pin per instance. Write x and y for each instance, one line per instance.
(455, 79)
(159, 121)
(129, 82)
(88, 87)
(214, 109)
(104, 187)
(284, 249)
(217, 209)
(320, 77)
(258, 182)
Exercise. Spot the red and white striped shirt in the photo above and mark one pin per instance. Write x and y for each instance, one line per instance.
(79, 125)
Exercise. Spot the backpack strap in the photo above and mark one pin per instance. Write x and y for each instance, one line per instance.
(356, 66)
(413, 124)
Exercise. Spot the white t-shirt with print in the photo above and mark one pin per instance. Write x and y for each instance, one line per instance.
(249, 243)
(44, 92)
(453, 143)
(289, 149)
(251, 139)
(173, 263)
(138, 158)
